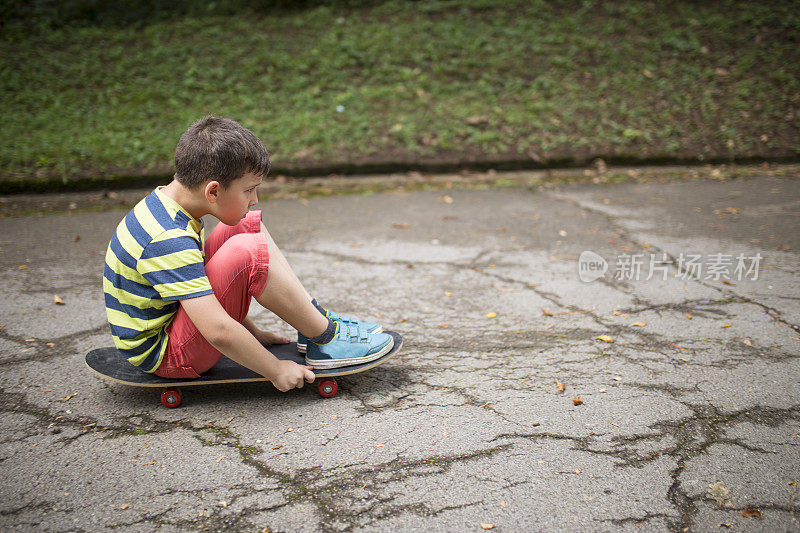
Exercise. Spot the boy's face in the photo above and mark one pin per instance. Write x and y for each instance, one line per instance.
(233, 203)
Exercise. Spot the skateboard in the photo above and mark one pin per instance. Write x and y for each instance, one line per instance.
(111, 365)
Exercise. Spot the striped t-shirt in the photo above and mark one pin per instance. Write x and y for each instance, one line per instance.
(154, 259)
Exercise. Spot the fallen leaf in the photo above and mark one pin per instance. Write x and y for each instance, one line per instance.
(57, 300)
(67, 397)
(680, 347)
(718, 492)
(50, 344)
(223, 504)
(506, 289)
(728, 283)
(150, 463)
(448, 294)
(123, 507)
(444, 325)
(277, 446)
(602, 390)
(446, 199)
(613, 424)
(604, 338)
(357, 245)
(546, 312)
(491, 314)
(503, 503)
(474, 120)
(726, 326)
(560, 386)
(641, 324)
(688, 315)
(617, 378)
(23, 267)
(620, 313)
(577, 401)
(748, 342)
(487, 526)
(29, 340)
(397, 225)
(752, 513)
(220, 458)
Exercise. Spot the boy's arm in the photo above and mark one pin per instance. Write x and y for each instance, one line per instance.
(234, 340)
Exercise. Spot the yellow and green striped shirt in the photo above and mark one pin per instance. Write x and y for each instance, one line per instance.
(154, 259)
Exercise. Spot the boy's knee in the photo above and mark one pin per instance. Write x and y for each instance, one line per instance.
(248, 248)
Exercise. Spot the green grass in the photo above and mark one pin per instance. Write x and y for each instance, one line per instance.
(408, 82)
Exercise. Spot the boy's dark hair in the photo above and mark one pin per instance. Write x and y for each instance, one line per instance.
(221, 149)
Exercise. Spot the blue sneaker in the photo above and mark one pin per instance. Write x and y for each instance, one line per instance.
(351, 345)
(371, 327)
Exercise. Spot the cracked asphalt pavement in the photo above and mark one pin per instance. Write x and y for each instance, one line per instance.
(466, 428)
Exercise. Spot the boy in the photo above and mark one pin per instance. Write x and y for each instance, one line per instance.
(176, 304)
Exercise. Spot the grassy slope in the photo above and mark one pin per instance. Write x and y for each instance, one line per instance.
(411, 82)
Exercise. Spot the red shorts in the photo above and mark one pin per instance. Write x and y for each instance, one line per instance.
(237, 263)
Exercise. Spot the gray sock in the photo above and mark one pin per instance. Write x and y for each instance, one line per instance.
(327, 335)
(321, 309)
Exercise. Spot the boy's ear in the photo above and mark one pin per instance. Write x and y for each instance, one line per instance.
(211, 191)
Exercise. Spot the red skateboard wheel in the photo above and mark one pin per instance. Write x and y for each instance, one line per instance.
(171, 398)
(328, 387)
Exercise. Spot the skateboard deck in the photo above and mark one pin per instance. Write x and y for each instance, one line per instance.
(111, 365)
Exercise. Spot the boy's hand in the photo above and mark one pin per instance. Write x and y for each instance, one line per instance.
(268, 338)
(290, 375)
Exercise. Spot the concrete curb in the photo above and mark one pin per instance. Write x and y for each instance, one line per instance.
(122, 180)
